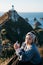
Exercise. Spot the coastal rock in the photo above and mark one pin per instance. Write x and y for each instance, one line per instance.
(16, 27)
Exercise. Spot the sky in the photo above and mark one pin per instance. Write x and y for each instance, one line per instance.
(22, 5)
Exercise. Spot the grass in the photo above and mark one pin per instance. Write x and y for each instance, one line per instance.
(4, 61)
(41, 51)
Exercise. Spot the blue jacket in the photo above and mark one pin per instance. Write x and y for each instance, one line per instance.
(29, 53)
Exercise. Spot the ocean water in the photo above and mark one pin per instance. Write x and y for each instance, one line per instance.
(1, 13)
(31, 17)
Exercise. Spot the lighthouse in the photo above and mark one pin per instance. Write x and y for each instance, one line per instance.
(12, 7)
(12, 13)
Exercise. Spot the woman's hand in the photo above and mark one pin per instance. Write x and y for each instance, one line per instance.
(16, 46)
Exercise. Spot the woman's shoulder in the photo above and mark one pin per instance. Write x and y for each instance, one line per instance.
(34, 47)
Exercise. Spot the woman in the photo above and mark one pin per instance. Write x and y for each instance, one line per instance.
(28, 52)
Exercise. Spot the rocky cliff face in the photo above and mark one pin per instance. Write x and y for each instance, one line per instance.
(15, 26)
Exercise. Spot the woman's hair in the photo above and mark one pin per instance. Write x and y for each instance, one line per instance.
(32, 35)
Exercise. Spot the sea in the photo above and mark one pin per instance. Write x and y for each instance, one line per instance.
(31, 16)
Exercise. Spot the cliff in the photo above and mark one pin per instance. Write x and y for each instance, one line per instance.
(15, 26)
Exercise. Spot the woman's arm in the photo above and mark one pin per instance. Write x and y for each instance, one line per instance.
(26, 55)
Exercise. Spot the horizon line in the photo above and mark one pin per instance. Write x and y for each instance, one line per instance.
(24, 12)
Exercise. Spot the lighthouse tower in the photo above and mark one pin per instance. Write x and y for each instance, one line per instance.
(12, 14)
(12, 7)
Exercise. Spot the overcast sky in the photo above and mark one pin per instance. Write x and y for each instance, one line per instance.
(22, 5)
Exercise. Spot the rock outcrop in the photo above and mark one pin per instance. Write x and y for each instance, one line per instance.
(15, 26)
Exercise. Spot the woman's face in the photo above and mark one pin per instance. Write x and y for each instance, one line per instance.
(28, 39)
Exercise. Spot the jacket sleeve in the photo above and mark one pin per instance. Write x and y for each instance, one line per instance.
(26, 55)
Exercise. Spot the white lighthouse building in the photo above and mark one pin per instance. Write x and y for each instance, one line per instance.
(12, 7)
(12, 12)
(13, 15)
